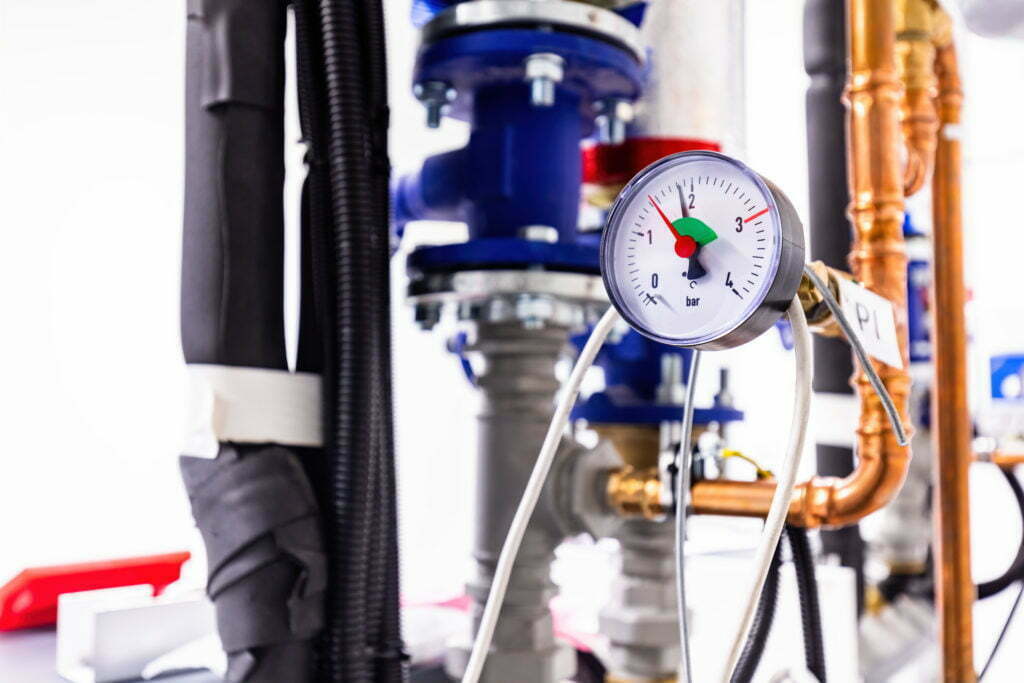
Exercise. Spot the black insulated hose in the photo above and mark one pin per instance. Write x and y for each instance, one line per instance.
(1015, 572)
(762, 626)
(810, 610)
(342, 92)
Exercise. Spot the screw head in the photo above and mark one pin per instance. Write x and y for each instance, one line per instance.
(612, 115)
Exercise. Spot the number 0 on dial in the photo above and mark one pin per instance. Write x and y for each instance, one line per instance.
(700, 251)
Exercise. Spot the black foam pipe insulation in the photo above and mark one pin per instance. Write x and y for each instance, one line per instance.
(253, 503)
(232, 290)
(824, 44)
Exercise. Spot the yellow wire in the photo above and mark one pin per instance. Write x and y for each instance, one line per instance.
(761, 472)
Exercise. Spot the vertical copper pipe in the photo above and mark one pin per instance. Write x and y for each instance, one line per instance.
(877, 257)
(915, 60)
(879, 261)
(951, 423)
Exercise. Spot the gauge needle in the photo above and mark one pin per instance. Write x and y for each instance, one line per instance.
(665, 301)
(682, 202)
(695, 270)
(686, 245)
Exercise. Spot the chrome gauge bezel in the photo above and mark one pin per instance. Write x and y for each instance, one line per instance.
(784, 271)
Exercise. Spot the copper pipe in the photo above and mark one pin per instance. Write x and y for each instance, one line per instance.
(1003, 460)
(915, 60)
(879, 261)
(955, 592)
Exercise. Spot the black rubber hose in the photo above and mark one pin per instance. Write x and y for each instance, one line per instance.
(810, 610)
(350, 441)
(342, 81)
(317, 345)
(390, 652)
(1015, 572)
(762, 626)
(922, 584)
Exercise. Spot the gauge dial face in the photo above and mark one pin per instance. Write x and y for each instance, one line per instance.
(692, 248)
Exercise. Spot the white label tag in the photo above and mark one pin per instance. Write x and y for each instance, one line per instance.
(872, 319)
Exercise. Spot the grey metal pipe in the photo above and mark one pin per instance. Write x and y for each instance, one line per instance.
(641, 621)
(517, 387)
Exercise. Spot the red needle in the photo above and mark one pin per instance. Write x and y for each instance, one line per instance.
(664, 218)
(685, 245)
(759, 213)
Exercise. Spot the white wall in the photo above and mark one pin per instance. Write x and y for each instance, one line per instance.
(91, 390)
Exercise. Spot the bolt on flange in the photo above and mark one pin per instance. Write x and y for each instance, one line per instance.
(543, 71)
(436, 96)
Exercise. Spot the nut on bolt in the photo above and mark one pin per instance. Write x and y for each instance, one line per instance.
(613, 113)
(427, 314)
(435, 96)
(543, 71)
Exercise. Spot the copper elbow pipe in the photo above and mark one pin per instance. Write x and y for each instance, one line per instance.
(915, 53)
(879, 261)
(955, 590)
(1003, 460)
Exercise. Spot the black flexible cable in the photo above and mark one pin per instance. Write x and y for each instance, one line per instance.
(922, 584)
(762, 626)
(385, 585)
(1015, 572)
(810, 610)
(350, 441)
(1003, 632)
(388, 642)
(342, 88)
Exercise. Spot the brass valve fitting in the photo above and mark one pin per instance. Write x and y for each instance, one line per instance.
(636, 492)
(819, 317)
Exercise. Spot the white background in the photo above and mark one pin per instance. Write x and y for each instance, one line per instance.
(91, 382)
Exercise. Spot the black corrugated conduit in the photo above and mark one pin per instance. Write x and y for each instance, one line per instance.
(1015, 572)
(922, 585)
(762, 626)
(810, 610)
(343, 107)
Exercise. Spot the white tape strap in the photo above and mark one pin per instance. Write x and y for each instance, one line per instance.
(250, 405)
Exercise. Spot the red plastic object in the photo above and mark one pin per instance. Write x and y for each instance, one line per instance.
(611, 164)
(30, 598)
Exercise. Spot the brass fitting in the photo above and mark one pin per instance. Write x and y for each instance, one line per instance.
(635, 489)
(819, 317)
(636, 492)
(601, 196)
(637, 445)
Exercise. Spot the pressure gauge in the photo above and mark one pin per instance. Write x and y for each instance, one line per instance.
(700, 251)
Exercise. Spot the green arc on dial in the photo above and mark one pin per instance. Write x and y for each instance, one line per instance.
(695, 228)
